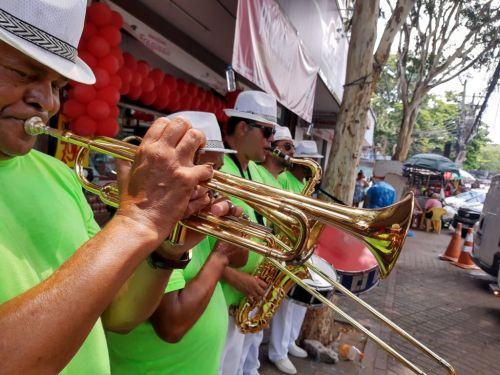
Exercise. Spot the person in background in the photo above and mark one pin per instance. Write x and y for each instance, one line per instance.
(432, 202)
(380, 194)
(250, 128)
(359, 189)
(59, 273)
(287, 323)
(269, 170)
(295, 178)
(187, 331)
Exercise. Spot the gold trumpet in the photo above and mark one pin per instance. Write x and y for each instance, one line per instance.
(382, 230)
(237, 231)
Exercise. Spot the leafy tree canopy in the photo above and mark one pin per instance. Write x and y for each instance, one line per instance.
(436, 124)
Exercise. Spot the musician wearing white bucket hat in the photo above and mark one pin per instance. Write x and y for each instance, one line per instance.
(294, 179)
(187, 332)
(250, 131)
(54, 281)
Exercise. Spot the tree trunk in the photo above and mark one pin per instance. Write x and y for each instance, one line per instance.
(410, 114)
(349, 134)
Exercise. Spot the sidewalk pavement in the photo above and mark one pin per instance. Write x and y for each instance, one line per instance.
(449, 309)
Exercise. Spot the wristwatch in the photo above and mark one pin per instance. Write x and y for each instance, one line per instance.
(157, 261)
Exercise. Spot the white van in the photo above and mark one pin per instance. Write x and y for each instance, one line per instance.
(486, 250)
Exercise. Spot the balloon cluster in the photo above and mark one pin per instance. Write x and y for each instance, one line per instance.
(93, 109)
(163, 92)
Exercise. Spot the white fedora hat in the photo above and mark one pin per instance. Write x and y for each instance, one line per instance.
(307, 149)
(48, 31)
(207, 123)
(282, 134)
(255, 105)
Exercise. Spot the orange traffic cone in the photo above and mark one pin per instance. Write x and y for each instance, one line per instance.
(453, 250)
(465, 259)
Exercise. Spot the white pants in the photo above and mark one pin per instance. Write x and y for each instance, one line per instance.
(285, 328)
(299, 313)
(233, 349)
(249, 364)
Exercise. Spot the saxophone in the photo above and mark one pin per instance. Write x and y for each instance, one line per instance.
(255, 316)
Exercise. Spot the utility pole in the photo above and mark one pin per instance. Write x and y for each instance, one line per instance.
(461, 131)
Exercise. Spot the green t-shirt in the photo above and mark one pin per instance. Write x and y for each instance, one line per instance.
(233, 296)
(198, 352)
(267, 177)
(290, 182)
(44, 218)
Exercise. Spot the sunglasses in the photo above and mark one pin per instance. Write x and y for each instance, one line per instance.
(288, 146)
(267, 131)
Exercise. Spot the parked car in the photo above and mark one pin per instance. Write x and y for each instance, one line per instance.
(471, 196)
(467, 215)
(486, 249)
(471, 201)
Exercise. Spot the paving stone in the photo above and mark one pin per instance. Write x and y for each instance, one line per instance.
(448, 309)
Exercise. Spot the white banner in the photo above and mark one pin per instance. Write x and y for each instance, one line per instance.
(268, 52)
(320, 27)
(169, 51)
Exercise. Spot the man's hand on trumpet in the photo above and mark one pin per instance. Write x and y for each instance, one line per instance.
(137, 190)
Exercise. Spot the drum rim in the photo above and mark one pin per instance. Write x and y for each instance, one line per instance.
(368, 270)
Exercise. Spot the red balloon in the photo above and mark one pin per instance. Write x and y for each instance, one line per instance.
(99, 13)
(163, 90)
(102, 78)
(116, 19)
(173, 97)
(182, 87)
(111, 34)
(125, 74)
(108, 128)
(157, 76)
(143, 68)
(98, 109)
(147, 84)
(192, 89)
(136, 79)
(82, 45)
(89, 30)
(125, 89)
(134, 92)
(170, 82)
(117, 52)
(114, 111)
(84, 93)
(129, 61)
(109, 95)
(148, 98)
(110, 64)
(115, 81)
(83, 125)
(73, 108)
(88, 58)
(98, 46)
(196, 102)
(160, 103)
(202, 94)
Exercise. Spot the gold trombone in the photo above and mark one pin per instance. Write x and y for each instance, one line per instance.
(382, 230)
(254, 316)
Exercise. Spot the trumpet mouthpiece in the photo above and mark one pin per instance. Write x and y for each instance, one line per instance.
(34, 126)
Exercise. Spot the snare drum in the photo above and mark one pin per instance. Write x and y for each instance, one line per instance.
(302, 297)
(356, 266)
